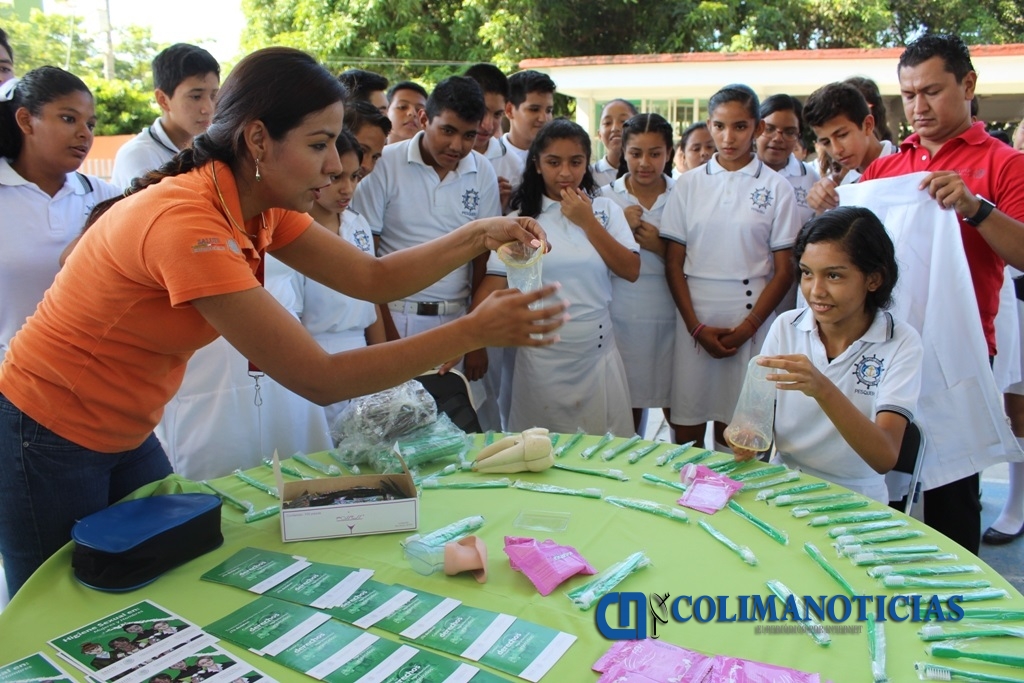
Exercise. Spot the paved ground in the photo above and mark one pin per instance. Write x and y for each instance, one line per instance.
(1007, 559)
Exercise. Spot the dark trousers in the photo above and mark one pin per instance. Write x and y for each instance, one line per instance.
(955, 510)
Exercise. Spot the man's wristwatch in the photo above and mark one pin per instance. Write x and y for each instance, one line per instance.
(984, 209)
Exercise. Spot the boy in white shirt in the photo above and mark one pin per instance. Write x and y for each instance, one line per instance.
(406, 101)
(531, 104)
(186, 79)
(495, 86)
(844, 127)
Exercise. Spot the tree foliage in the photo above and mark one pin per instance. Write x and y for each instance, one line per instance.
(124, 104)
(429, 39)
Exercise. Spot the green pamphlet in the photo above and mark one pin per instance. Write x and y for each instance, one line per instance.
(256, 570)
(372, 602)
(268, 626)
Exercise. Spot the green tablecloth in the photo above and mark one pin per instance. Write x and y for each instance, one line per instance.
(686, 560)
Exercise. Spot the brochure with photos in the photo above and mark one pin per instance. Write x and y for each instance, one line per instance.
(34, 669)
(209, 664)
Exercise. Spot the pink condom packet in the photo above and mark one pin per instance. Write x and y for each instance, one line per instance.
(640, 661)
(736, 670)
(547, 564)
(707, 490)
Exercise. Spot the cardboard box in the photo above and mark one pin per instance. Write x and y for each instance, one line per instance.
(353, 519)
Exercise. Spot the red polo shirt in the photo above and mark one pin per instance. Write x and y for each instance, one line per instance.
(990, 169)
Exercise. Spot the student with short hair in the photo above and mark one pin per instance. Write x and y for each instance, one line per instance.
(531, 104)
(186, 79)
(695, 147)
(366, 86)
(847, 373)
(6, 58)
(726, 276)
(844, 128)
(494, 84)
(783, 127)
(643, 313)
(371, 129)
(613, 115)
(406, 101)
(46, 131)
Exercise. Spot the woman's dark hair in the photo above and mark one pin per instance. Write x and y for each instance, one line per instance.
(690, 130)
(869, 89)
(279, 86)
(346, 142)
(863, 237)
(646, 123)
(529, 195)
(34, 90)
(737, 92)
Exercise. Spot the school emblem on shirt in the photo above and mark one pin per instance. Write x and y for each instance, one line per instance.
(208, 244)
(869, 371)
(602, 216)
(801, 196)
(470, 202)
(362, 240)
(761, 198)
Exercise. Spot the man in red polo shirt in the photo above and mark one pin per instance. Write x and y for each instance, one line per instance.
(983, 181)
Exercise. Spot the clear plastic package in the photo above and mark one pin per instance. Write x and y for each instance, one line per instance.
(753, 420)
(369, 423)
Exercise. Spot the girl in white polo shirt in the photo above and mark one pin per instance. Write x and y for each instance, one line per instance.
(580, 380)
(613, 116)
(730, 226)
(338, 322)
(46, 130)
(643, 313)
(849, 373)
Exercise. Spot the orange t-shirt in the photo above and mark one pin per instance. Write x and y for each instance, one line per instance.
(107, 347)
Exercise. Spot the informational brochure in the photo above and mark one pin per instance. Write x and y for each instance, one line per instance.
(528, 650)
(121, 643)
(325, 649)
(372, 602)
(256, 570)
(389, 662)
(267, 626)
(466, 631)
(321, 585)
(34, 669)
(210, 664)
(412, 619)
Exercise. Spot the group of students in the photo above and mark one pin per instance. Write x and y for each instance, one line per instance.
(339, 237)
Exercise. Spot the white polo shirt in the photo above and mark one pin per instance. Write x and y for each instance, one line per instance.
(802, 177)
(879, 372)
(513, 163)
(495, 151)
(34, 229)
(406, 203)
(150, 149)
(573, 261)
(726, 218)
(650, 263)
(604, 173)
(853, 175)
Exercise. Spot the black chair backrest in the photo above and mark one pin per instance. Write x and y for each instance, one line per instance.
(452, 397)
(909, 449)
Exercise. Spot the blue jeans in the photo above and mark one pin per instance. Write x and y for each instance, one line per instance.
(47, 483)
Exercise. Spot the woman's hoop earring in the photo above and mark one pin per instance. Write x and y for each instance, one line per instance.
(258, 176)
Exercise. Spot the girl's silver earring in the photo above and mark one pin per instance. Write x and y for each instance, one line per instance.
(258, 176)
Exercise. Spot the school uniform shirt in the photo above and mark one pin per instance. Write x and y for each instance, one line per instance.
(960, 410)
(853, 175)
(34, 230)
(1006, 366)
(152, 148)
(989, 169)
(579, 381)
(141, 265)
(802, 177)
(513, 163)
(406, 203)
(731, 223)
(338, 322)
(643, 312)
(604, 173)
(495, 151)
(880, 372)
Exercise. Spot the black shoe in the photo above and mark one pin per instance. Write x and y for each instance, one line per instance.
(994, 537)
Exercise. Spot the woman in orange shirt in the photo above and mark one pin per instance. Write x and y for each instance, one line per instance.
(174, 265)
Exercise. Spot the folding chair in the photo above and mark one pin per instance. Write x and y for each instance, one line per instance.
(453, 397)
(910, 461)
